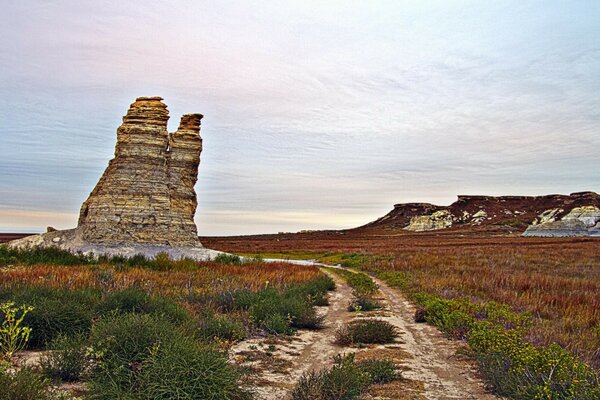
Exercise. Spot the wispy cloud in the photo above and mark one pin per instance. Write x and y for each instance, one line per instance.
(317, 114)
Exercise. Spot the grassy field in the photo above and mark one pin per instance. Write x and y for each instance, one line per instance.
(138, 328)
(543, 292)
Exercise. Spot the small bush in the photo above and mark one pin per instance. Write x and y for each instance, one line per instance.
(67, 359)
(141, 356)
(38, 255)
(346, 380)
(366, 331)
(13, 334)
(225, 258)
(122, 342)
(23, 385)
(381, 371)
(364, 304)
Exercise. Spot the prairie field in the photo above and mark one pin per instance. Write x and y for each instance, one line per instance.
(556, 281)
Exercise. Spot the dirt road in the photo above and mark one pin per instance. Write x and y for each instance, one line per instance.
(431, 369)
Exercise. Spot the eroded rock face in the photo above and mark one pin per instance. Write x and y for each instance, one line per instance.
(501, 214)
(437, 220)
(145, 201)
(146, 194)
(580, 221)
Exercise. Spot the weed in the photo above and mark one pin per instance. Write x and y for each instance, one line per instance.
(346, 380)
(13, 335)
(222, 327)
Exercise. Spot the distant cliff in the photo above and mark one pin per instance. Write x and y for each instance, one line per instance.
(504, 213)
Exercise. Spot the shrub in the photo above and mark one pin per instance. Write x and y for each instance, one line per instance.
(346, 380)
(144, 356)
(23, 385)
(67, 359)
(516, 369)
(366, 331)
(381, 371)
(39, 255)
(225, 258)
(122, 342)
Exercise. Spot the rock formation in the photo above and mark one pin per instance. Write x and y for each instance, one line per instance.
(146, 195)
(145, 201)
(503, 214)
(580, 221)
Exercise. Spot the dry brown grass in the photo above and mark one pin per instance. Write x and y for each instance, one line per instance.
(208, 278)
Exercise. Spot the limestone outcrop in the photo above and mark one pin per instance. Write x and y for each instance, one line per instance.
(580, 221)
(145, 201)
(497, 214)
(146, 195)
(437, 220)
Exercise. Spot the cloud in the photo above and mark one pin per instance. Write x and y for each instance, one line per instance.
(317, 114)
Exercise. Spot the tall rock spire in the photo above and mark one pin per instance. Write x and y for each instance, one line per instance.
(146, 194)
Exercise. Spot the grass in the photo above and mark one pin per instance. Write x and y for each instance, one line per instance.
(346, 380)
(553, 284)
(133, 329)
(366, 331)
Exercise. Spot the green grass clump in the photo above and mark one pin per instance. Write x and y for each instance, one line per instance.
(23, 385)
(145, 356)
(55, 312)
(67, 360)
(225, 258)
(281, 312)
(137, 300)
(180, 368)
(220, 327)
(381, 371)
(346, 380)
(49, 255)
(366, 331)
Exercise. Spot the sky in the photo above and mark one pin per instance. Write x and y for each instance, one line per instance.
(317, 114)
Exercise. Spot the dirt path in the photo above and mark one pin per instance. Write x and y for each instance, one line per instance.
(433, 360)
(278, 363)
(431, 369)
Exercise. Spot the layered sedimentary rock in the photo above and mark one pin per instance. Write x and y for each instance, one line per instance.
(145, 201)
(580, 221)
(509, 214)
(146, 195)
